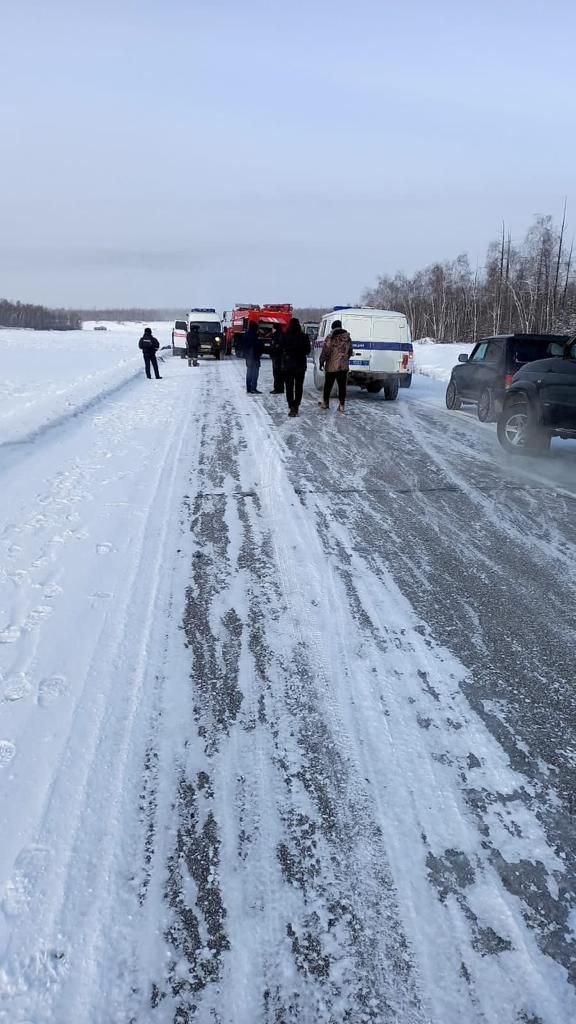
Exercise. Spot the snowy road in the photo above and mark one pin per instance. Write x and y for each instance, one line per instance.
(287, 720)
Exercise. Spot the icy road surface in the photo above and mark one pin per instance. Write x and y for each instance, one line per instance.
(287, 731)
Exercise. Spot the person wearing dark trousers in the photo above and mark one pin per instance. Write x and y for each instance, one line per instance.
(149, 347)
(276, 354)
(295, 349)
(334, 360)
(252, 348)
(338, 377)
(193, 345)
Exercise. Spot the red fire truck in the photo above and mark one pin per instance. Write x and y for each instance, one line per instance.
(265, 316)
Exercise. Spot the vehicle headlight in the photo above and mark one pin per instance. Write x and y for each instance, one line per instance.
(218, 338)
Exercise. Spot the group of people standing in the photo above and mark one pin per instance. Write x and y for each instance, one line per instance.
(289, 350)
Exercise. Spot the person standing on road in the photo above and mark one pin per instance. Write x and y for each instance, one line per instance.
(295, 349)
(252, 348)
(334, 360)
(276, 354)
(149, 347)
(193, 345)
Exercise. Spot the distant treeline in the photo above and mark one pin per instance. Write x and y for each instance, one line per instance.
(39, 318)
(527, 287)
(130, 315)
(310, 315)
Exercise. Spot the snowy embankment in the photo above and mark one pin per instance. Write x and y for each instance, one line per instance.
(436, 360)
(48, 376)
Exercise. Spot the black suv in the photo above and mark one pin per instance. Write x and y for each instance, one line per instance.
(487, 372)
(540, 404)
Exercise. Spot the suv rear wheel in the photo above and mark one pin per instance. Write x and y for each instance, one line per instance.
(518, 433)
(452, 400)
(486, 412)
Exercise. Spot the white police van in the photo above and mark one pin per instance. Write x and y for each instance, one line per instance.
(383, 356)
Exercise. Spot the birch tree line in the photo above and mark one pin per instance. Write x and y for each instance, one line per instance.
(528, 287)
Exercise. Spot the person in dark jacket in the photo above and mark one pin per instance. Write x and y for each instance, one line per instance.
(276, 346)
(295, 349)
(252, 348)
(149, 346)
(193, 345)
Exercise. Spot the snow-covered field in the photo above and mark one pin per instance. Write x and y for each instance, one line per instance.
(436, 360)
(48, 375)
(284, 724)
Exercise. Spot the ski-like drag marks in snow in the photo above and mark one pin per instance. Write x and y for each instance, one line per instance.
(73, 745)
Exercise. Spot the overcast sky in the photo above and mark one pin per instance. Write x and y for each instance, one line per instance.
(193, 152)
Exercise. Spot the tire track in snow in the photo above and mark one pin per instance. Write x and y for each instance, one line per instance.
(491, 598)
(281, 806)
(328, 779)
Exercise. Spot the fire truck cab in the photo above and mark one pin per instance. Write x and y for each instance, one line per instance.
(266, 317)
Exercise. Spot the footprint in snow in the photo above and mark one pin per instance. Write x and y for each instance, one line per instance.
(37, 615)
(39, 562)
(103, 549)
(51, 689)
(28, 869)
(10, 635)
(7, 751)
(15, 688)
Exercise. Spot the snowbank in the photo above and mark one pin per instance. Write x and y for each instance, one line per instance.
(50, 375)
(436, 360)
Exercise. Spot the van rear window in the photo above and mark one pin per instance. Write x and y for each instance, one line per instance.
(180, 325)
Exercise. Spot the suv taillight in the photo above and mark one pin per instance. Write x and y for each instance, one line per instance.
(508, 380)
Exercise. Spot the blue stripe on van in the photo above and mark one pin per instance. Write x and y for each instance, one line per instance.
(388, 346)
(359, 362)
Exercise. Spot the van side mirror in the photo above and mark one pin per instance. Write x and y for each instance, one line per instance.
(462, 358)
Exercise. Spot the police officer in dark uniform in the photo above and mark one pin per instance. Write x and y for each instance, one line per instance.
(149, 347)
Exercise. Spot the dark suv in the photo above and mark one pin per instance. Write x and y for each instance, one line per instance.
(540, 404)
(486, 374)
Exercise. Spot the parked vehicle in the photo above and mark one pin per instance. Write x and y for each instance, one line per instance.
(265, 316)
(383, 356)
(540, 403)
(179, 332)
(210, 330)
(485, 376)
(311, 329)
